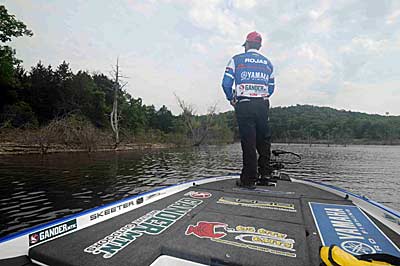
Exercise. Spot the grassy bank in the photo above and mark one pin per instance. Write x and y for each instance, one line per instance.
(74, 134)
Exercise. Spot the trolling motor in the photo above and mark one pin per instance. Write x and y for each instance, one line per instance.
(277, 163)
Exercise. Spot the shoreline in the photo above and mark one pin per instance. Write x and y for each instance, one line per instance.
(13, 148)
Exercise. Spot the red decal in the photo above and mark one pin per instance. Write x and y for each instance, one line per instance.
(34, 238)
(206, 230)
(198, 195)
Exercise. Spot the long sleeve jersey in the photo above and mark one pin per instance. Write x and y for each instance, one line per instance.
(252, 74)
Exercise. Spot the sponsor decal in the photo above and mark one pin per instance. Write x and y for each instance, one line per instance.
(256, 61)
(228, 69)
(391, 218)
(351, 229)
(247, 75)
(155, 195)
(252, 87)
(152, 223)
(111, 210)
(198, 195)
(244, 237)
(52, 232)
(288, 207)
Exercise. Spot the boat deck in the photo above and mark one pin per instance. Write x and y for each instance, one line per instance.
(213, 224)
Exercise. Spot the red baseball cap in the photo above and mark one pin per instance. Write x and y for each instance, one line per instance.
(253, 37)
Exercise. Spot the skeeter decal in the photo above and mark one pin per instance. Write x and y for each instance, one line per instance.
(112, 210)
(245, 237)
(152, 223)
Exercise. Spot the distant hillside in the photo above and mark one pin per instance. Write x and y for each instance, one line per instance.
(306, 123)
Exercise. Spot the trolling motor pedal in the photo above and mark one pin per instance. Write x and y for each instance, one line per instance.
(277, 164)
(266, 182)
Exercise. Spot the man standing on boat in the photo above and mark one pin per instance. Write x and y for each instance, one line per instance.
(252, 74)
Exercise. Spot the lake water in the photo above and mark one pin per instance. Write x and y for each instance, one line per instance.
(36, 189)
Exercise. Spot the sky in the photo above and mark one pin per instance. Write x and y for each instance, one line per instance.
(342, 54)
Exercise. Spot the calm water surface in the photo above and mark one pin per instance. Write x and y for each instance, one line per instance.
(36, 189)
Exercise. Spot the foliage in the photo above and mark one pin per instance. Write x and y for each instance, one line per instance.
(19, 114)
(10, 26)
(306, 123)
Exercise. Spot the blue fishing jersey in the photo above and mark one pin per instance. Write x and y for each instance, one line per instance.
(253, 76)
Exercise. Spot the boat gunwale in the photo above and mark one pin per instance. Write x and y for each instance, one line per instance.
(372, 202)
(105, 206)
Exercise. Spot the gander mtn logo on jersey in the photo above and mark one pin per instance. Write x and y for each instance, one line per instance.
(246, 75)
(256, 61)
(152, 223)
(52, 232)
(252, 87)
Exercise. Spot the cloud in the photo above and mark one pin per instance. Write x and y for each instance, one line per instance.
(324, 52)
(365, 44)
(244, 4)
(393, 17)
(147, 7)
(366, 97)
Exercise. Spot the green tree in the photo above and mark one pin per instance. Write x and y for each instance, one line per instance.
(10, 105)
(163, 120)
(10, 26)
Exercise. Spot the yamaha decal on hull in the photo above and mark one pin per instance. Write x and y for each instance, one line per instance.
(349, 228)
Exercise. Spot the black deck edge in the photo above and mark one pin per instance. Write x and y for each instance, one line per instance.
(17, 261)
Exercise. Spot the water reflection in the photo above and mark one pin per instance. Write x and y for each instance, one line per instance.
(38, 189)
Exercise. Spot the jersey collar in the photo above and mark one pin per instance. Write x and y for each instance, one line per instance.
(253, 51)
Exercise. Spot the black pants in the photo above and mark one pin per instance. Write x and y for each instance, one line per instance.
(255, 136)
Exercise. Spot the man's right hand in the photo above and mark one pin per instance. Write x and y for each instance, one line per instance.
(233, 102)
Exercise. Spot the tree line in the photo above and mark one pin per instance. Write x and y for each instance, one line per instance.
(35, 98)
(306, 123)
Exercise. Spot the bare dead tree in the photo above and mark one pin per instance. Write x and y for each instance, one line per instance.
(115, 115)
(198, 129)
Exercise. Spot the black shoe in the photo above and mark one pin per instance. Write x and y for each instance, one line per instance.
(265, 176)
(266, 180)
(250, 185)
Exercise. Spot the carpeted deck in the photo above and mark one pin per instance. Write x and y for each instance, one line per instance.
(269, 226)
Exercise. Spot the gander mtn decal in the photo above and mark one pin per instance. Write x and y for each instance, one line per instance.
(51, 232)
(244, 237)
(152, 223)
